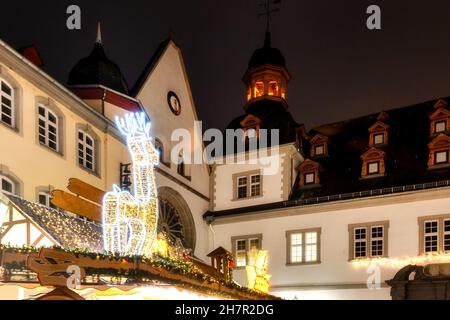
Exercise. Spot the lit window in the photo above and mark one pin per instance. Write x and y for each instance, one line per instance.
(303, 246)
(242, 245)
(296, 248)
(7, 104)
(48, 128)
(86, 151)
(373, 167)
(45, 199)
(379, 138)
(160, 149)
(273, 88)
(441, 157)
(249, 94)
(440, 126)
(431, 236)
(259, 89)
(360, 243)
(447, 236)
(7, 185)
(377, 241)
(310, 178)
(319, 150)
(255, 186)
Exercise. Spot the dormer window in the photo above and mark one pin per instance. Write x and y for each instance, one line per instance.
(439, 151)
(378, 138)
(441, 157)
(378, 134)
(440, 119)
(309, 173)
(373, 167)
(319, 146)
(319, 150)
(440, 126)
(373, 163)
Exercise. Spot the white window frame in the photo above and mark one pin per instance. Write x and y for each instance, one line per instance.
(437, 153)
(48, 198)
(446, 233)
(242, 252)
(242, 185)
(302, 247)
(376, 136)
(321, 149)
(355, 241)
(12, 106)
(369, 166)
(255, 184)
(441, 122)
(373, 239)
(13, 192)
(84, 147)
(298, 246)
(430, 234)
(310, 174)
(48, 123)
(247, 239)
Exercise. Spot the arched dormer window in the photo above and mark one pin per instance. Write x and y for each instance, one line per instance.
(440, 119)
(439, 150)
(319, 146)
(309, 173)
(379, 134)
(373, 163)
(7, 110)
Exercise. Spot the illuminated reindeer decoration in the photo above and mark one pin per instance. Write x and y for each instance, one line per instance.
(130, 222)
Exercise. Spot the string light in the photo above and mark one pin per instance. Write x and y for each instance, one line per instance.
(257, 277)
(398, 263)
(130, 222)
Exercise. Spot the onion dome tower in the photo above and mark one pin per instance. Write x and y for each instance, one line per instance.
(97, 69)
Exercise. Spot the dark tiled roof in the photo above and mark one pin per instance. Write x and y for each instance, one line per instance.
(340, 176)
(267, 55)
(98, 69)
(406, 153)
(67, 229)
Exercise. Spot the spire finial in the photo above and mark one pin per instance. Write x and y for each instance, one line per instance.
(268, 11)
(99, 33)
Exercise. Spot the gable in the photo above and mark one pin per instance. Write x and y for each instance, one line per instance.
(379, 126)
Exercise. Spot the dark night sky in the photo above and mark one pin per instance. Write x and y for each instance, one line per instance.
(340, 69)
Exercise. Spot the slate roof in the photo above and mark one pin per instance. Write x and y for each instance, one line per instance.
(68, 230)
(340, 175)
(267, 55)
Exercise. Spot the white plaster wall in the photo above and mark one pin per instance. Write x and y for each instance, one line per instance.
(335, 268)
(35, 165)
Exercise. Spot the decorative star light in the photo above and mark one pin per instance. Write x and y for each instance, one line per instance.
(130, 222)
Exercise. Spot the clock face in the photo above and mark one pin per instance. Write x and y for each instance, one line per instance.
(174, 103)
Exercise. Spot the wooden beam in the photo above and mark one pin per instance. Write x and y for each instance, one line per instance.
(86, 190)
(77, 205)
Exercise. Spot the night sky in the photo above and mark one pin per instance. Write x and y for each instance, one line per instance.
(340, 69)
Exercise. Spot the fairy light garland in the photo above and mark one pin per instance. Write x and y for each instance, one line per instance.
(398, 263)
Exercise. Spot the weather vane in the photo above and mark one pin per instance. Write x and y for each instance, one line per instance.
(270, 7)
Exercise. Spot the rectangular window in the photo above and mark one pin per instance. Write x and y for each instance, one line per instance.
(376, 241)
(255, 186)
(303, 246)
(242, 188)
(48, 128)
(242, 244)
(440, 126)
(247, 185)
(373, 167)
(7, 186)
(310, 178)
(86, 151)
(378, 138)
(447, 236)
(368, 240)
(45, 199)
(319, 150)
(6, 104)
(441, 157)
(431, 236)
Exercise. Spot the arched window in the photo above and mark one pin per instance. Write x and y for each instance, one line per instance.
(160, 148)
(86, 150)
(7, 185)
(7, 112)
(48, 128)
